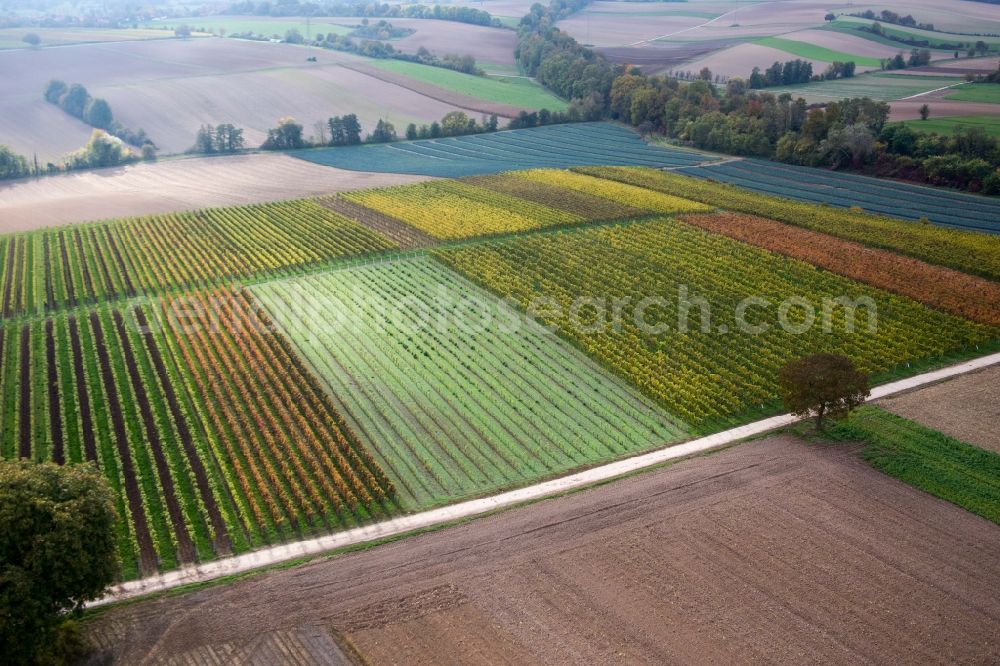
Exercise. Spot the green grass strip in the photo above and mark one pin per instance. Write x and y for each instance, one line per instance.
(960, 473)
(813, 52)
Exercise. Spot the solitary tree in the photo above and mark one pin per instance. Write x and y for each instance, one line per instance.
(925, 112)
(183, 31)
(32, 39)
(57, 551)
(824, 385)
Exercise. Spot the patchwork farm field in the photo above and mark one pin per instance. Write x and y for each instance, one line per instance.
(453, 406)
(170, 87)
(712, 372)
(549, 146)
(216, 438)
(256, 374)
(66, 267)
(884, 87)
(975, 253)
(454, 209)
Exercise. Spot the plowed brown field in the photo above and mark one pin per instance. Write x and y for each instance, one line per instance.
(774, 551)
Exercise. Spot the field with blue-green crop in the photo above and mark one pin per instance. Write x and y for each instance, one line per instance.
(550, 146)
(902, 200)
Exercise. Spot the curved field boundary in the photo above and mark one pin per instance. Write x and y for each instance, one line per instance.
(439, 517)
(435, 92)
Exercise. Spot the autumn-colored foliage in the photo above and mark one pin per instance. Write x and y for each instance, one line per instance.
(942, 288)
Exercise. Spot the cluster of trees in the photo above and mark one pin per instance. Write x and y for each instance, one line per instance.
(918, 58)
(791, 72)
(102, 150)
(979, 47)
(381, 30)
(454, 123)
(796, 71)
(57, 551)
(347, 131)
(372, 10)
(96, 112)
(887, 16)
(224, 138)
(967, 159)
(739, 120)
(374, 49)
(13, 165)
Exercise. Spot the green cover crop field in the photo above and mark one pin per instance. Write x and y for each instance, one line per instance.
(513, 90)
(813, 52)
(453, 410)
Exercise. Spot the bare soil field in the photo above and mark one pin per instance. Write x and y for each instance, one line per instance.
(499, 8)
(760, 554)
(740, 60)
(433, 92)
(966, 408)
(961, 66)
(174, 185)
(623, 29)
(171, 87)
(486, 45)
(658, 57)
(910, 109)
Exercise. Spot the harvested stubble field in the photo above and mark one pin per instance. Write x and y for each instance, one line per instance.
(489, 46)
(173, 186)
(171, 87)
(966, 408)
(735, 557)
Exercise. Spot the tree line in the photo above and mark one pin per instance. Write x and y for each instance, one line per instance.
(736, 119)
(96, 112)
(373, 10)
